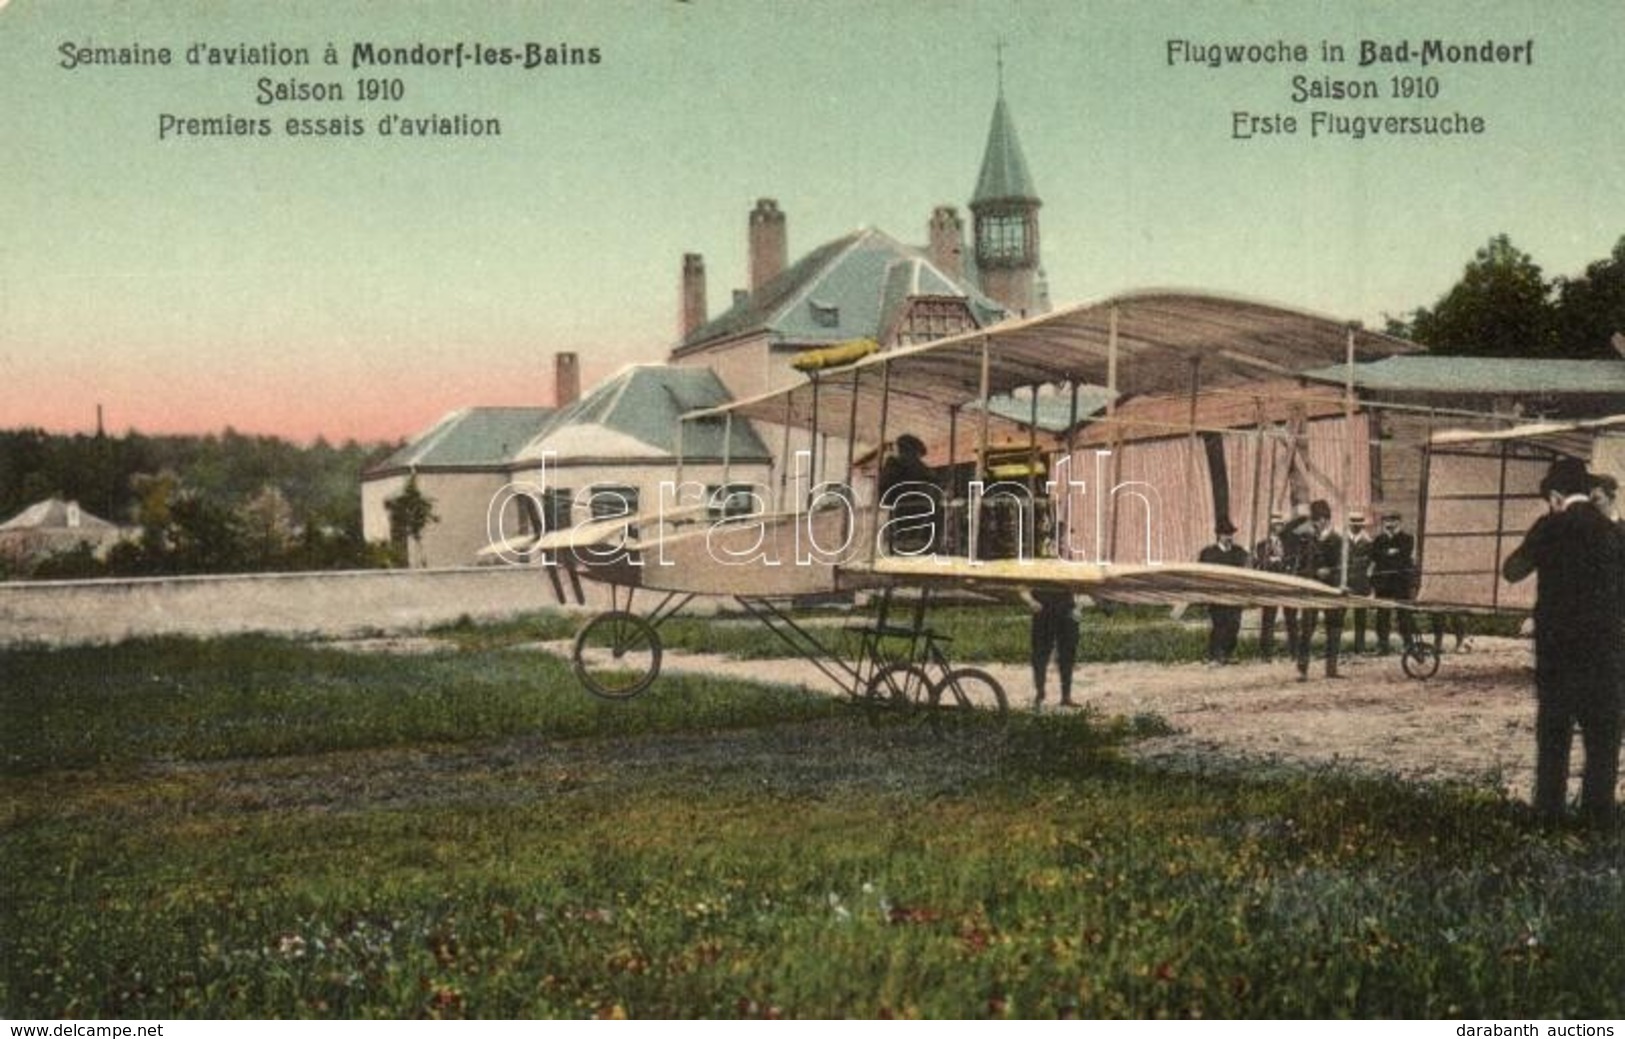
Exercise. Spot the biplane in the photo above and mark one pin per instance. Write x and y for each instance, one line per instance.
(1006, 523)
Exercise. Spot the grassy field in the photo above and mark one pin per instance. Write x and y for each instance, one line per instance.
(256, 827)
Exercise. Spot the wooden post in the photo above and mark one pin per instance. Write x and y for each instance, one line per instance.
(1258, 469)
(784, 458)
(950, 494)
(812, 447)
(1109, 552)
(880, 458)
(727, 449)
(974, 508)
(852, 429)
(1194, 468)
(1063, 532)
(1348, 452)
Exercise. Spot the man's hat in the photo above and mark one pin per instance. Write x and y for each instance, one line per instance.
(1276, 519)
(911, 444)
(1566, 476)
(1392, 514)
(1356, 519)
(1605, 483)
(1320, 509)
(1224, 526)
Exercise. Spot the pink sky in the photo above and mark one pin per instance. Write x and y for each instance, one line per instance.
(295, 403)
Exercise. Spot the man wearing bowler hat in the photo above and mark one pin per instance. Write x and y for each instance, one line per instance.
(1576, 554)
(1224, 621)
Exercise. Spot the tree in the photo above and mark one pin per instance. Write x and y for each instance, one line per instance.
(1591, 308)
(410, 513)
(207, 537)
(1500, 308)
(268, 528)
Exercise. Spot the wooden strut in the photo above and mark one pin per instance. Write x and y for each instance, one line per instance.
(1347, 483)
(1258, 473)
(812, 448)
(1063, 528)
(784, 459)
(1110, 551)
(974, 520)
(885, 409)
(849, 520)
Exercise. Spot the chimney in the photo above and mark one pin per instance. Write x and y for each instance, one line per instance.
(566, 379)
(948, 240)
(693, 305)
(769, 247)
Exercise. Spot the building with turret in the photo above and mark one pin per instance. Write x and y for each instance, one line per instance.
(1004, 213)
(870, 285)
(611, 448)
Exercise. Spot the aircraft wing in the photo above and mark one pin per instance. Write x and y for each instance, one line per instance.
(1146, 343)
(1139, 584)
(1577, 438)
(611, 531)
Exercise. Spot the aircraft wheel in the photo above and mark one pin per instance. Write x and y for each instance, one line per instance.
(1420, 661)
(969, 689)
(617, 655)
(897, 685)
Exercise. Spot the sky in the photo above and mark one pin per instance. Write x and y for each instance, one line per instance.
(361, 286)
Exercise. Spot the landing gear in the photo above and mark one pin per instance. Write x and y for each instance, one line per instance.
(617, 655)
(1420, 660)
(969, 689)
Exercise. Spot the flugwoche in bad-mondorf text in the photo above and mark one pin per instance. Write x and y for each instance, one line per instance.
(1351, 90)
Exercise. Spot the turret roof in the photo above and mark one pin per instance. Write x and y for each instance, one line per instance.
(1004, 175)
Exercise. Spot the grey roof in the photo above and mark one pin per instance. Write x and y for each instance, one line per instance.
(849, 288)
(1481, 375)
(1004, 173)
(634, 416)
(54, 514)
(469, 437)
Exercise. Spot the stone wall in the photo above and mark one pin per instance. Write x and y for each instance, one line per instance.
(346, 603)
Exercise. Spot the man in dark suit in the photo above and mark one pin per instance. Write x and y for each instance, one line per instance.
(1361, 547)
(1224, 621)
(1577, 555)
(1272, 556)
(1393, 576)
(1322, 559)
(908, 487)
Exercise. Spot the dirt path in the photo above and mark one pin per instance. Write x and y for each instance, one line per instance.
(1474, 720)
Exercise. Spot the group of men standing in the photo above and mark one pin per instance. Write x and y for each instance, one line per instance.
(1576, 550)
(1309, 547)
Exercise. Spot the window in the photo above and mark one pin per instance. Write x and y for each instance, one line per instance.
(611, 501)
(725, 501)
(824, 315)
(557, 505)
(1003, 239)
(929, 319)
